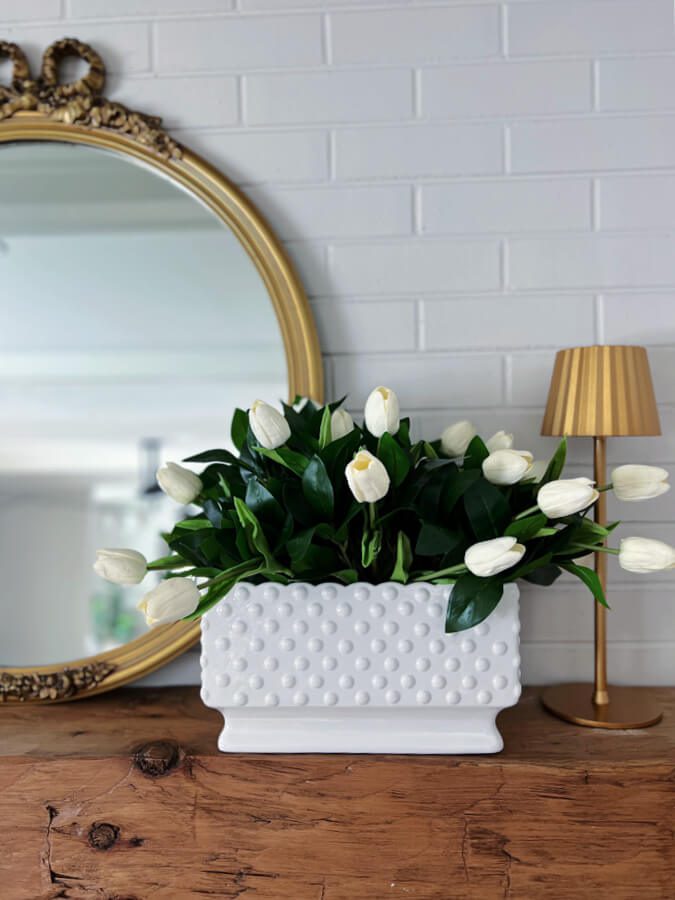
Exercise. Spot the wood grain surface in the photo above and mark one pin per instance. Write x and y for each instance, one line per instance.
(126, 796)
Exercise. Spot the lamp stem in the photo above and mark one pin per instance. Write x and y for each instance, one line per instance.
(600, 694)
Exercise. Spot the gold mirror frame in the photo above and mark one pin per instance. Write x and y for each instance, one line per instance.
(77, 113)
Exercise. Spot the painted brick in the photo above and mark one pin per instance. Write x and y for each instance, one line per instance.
(329, 97)
(506, 205)
(419, 150)
(503, 89)
(508, 321)
(182, 102)
(425, 35)
(643, 84)
(20, 11)
(375, 327)
(639, 318)
(595, 143)
(125, 47)
(410, 267)
(92, 9)
(250, 157)
(234, 43)
(637, 202)
(592, 261)
(336, 211)
(539, 29)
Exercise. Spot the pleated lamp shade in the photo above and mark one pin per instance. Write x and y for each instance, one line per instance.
(601, 391)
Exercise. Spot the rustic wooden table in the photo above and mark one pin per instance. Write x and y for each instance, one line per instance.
(125, 797)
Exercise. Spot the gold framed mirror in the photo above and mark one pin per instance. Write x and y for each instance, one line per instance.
(42, 119)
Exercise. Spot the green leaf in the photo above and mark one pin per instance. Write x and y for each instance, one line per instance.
(526, 529)
(317, 488)
(543, 575)
(193, 525)
(254, 532)
(263, 503)
(325, 433)
(434, 540)
(347, 576)
(296, 462)
(589, 578)
(395, 459)
(556, 465)
(239, 428)
(487, 509)
(166, 562)
(371, 544)
(404, 559)
(476, 452)
(216, 456)
(471, 601)
(456, 483)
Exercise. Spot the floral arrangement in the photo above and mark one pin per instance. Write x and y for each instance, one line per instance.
(311, 496)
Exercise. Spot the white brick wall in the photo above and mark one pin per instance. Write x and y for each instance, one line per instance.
(464, 186)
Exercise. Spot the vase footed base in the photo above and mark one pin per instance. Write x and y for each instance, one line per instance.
(357, 731)
(628, 707)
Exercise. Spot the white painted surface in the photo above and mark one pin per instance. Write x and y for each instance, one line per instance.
(357, 669)
(468, 329)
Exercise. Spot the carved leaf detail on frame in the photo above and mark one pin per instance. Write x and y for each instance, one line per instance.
(59, 685)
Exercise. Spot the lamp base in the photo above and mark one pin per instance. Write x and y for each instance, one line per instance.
(628, 707)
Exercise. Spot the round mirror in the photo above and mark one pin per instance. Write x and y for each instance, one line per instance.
(143, 299)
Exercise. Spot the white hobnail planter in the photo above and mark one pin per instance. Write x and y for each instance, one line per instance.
(357, 669)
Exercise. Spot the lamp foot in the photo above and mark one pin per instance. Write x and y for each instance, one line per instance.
(628, 707)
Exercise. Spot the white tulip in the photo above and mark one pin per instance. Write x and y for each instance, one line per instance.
(566, 497)
(382, 412)
(170, 601)
(270, 428)
(500, 440)
(121, 566)
(642, 555)
(179, 483)
(367, 477)
(341, 423)
(639, 482)
(491, 557)
(457, 437)
(507, 466)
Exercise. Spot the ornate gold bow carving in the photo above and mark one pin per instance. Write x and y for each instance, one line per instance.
(79, 102)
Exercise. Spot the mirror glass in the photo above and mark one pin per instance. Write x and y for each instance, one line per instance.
(132, 323)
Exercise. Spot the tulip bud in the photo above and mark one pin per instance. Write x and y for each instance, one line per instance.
(382, 412)
(121, 566)
(566, 497)
(270, 428)
(639, 482)
(491, 557)
(367, 477)
(457, 437)
(341, 423)
(536, 471)
(506, 466)
(500, 440)
(179, 483)
(643, 555)
(170, 601)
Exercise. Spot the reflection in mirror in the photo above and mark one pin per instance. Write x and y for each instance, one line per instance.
(132, 323)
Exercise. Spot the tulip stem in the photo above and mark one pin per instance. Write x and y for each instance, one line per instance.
(525, 513)
(598, 548)
(452, 570)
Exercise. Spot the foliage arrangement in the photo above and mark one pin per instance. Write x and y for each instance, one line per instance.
(310, 496)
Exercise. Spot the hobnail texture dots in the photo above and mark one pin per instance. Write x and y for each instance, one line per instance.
(353, 646)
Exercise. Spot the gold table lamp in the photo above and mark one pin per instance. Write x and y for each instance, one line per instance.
(601, 392)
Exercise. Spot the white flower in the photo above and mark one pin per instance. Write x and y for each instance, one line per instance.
(382, 412)
(507, 466)
(639, 554)
(179, 483)
(457, 437)
(566, 497)
(500, 440)
(367, 477)
(491, 557)
(270, 428)
(170, 601)
(121, 566)
(639, 482)
(341, 423)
